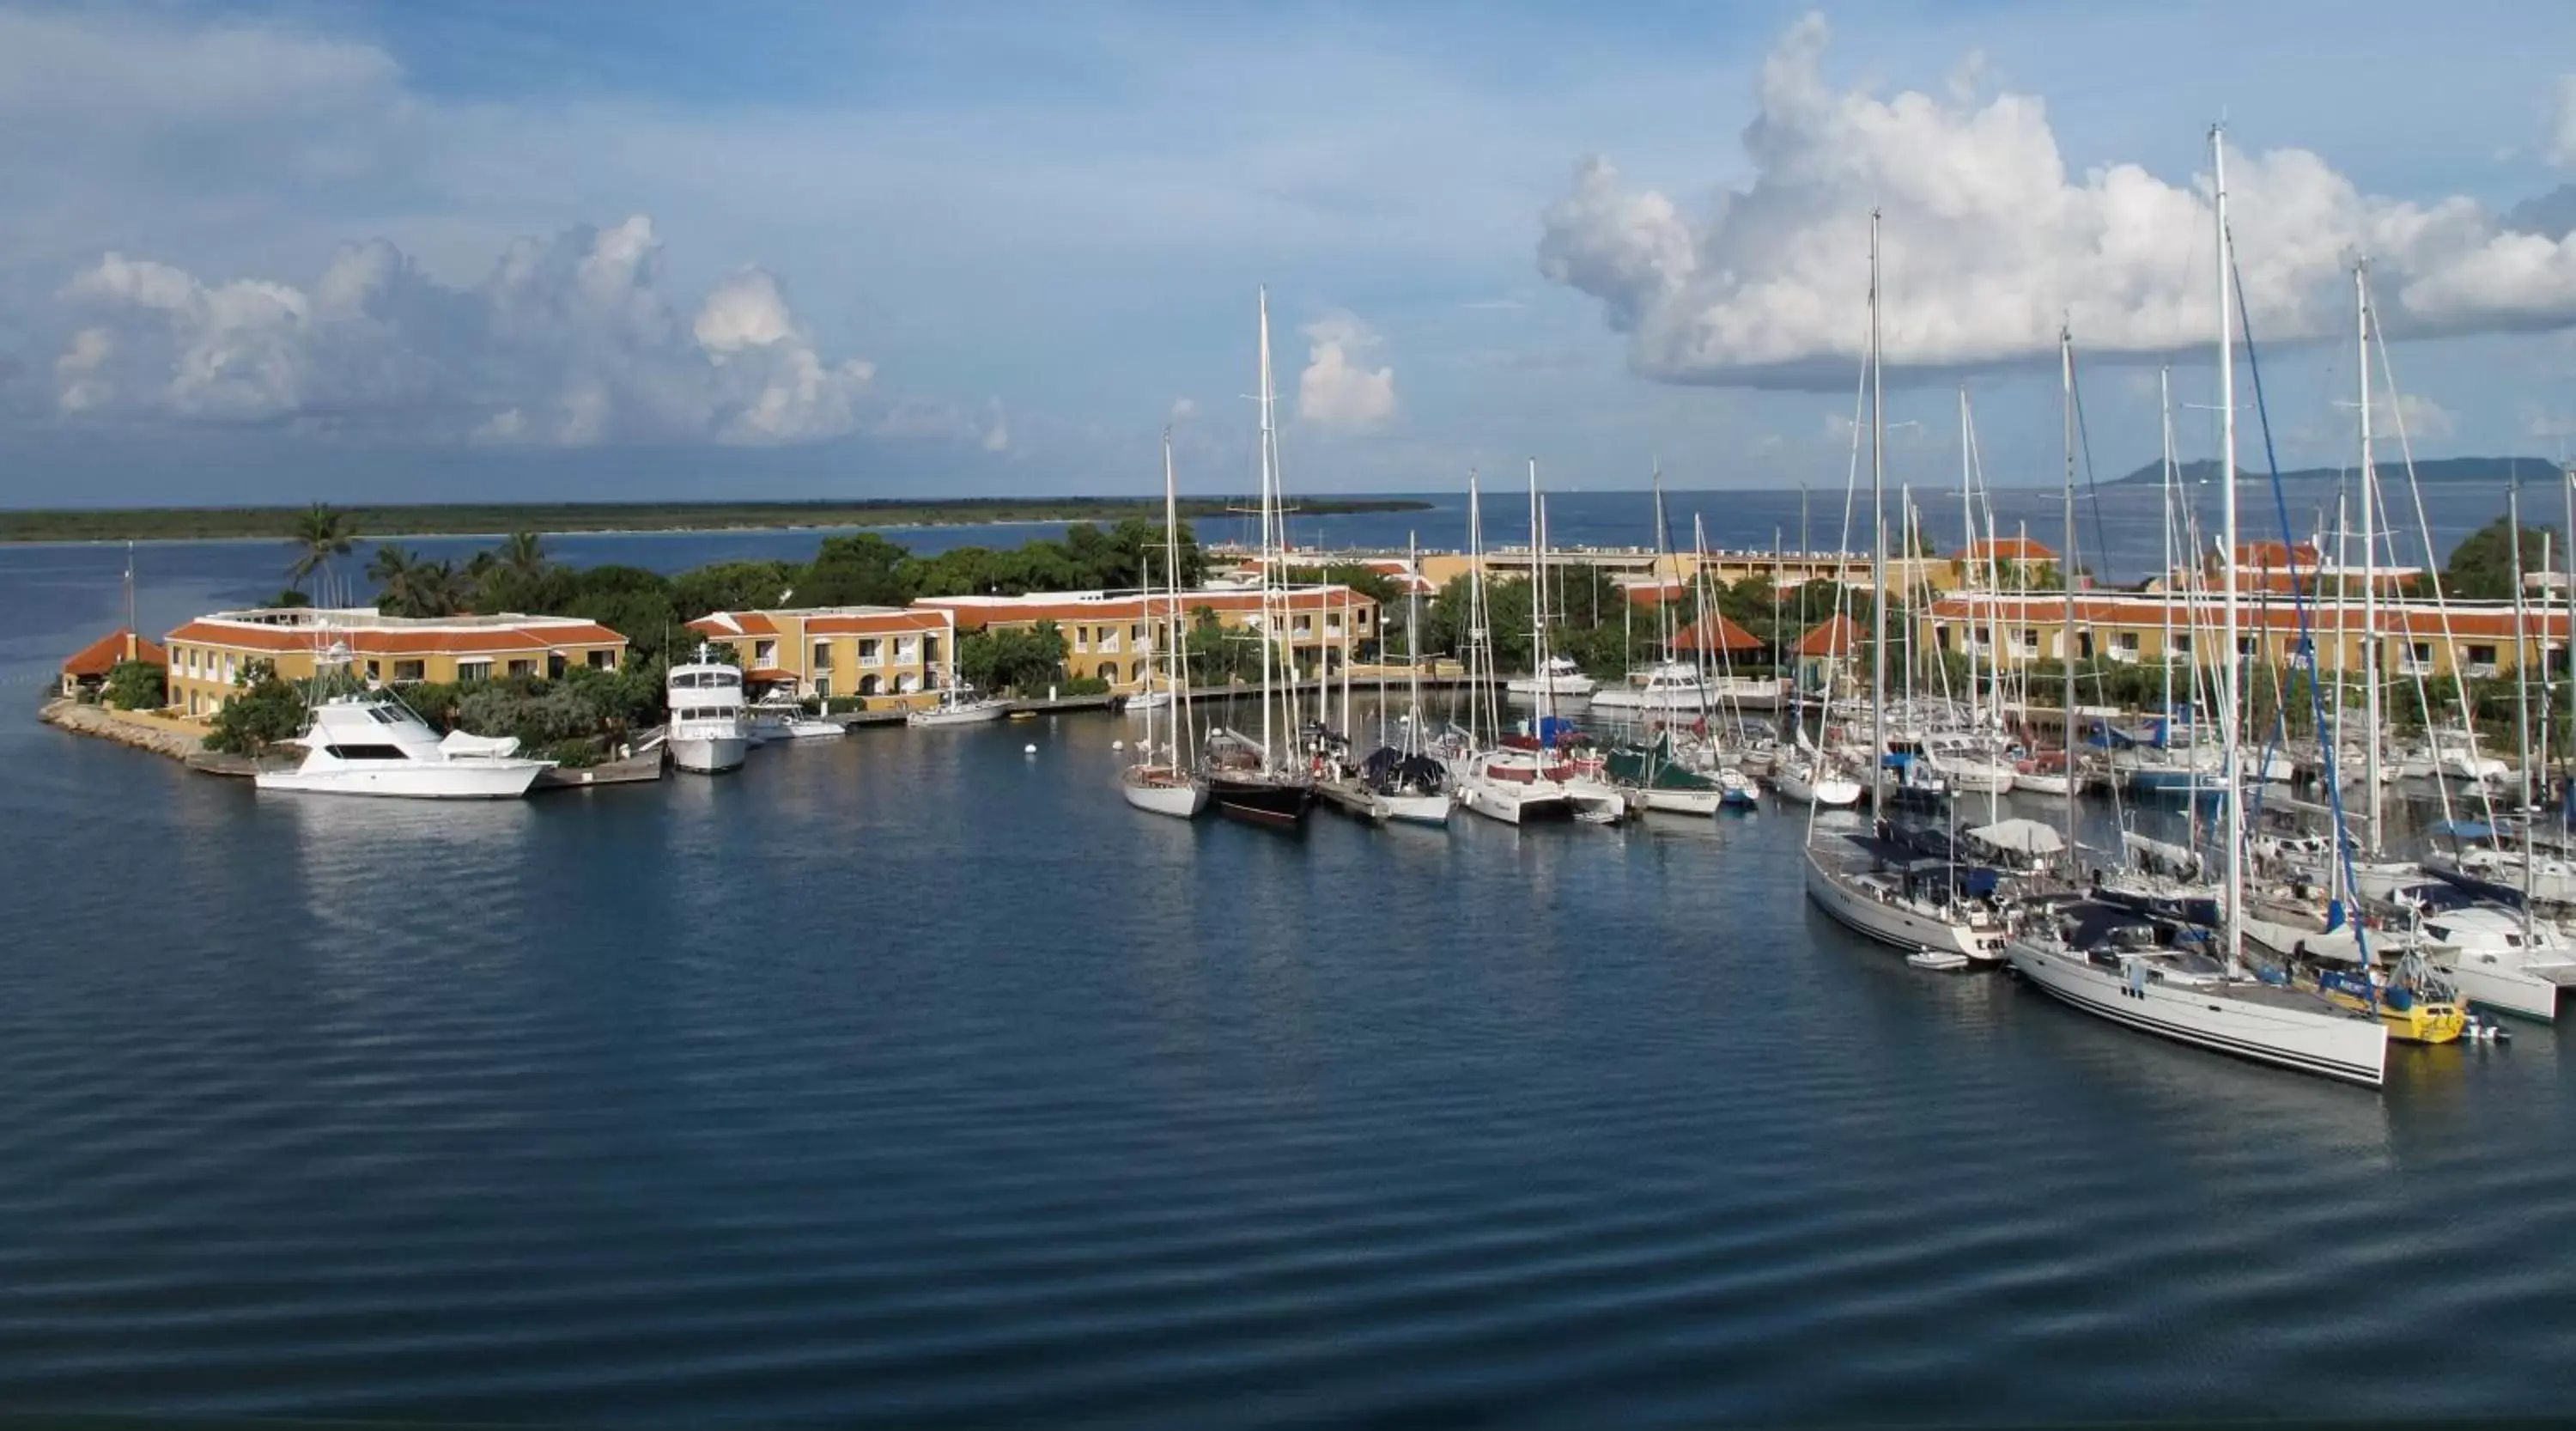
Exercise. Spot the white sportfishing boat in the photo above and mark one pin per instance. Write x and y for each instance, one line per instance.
(787, 719)
(372, 744)
(2108, 962)
(1968, 762)
(708, 733)
(960, 704)
(1664, 688)
(1161, 781)
(1560, 678)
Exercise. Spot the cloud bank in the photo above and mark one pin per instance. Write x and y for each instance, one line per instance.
(567, 342)
(1989, 242)
(1335, 391)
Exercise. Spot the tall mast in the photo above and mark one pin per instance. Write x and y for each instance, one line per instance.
(1663, 608)
(1269, 549)
(2567, 481)
(1968, 563)
(2066, 570)
(1480, 696)
(1412, 644)
(1878, 542)
(2164, 616)
(2521, 694)
(2369, 581)
(133, 641)
(1538, 606)
(2232, 805)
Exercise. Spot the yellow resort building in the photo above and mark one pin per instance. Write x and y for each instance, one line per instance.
(208, 654)
(887, 655)
(2477, 638)
(1111, 637)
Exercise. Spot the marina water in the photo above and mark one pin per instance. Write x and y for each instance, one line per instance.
(913, 1078)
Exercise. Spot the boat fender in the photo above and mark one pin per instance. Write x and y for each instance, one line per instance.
(1029, 749)
(1117, 745)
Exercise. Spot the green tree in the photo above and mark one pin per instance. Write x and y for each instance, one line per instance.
(319, 534)
(1024, 659)
(136, 686)
(631, 601)
(1217, 655)
(862, 569)
(2481, 567)
(735, 586)
(290, 597)
(408, 586)
(264, 710)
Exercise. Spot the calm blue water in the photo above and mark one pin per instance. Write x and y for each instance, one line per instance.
(914, 1079)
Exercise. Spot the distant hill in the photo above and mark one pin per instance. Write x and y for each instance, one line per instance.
(2432, 470)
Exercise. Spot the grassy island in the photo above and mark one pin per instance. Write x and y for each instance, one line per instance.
(120, 524)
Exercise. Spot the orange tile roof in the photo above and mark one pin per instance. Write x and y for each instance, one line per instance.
(871, 623)
(976, 612)
(735, 623)
(397, 641)
(1833, 638)
(2394, 618)
(1714, 632)
(100, 656)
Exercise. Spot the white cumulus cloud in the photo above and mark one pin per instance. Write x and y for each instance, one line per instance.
(1989, 242)
(568, 341)
(1336, 390)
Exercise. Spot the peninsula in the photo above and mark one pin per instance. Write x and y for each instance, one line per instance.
(119, 524)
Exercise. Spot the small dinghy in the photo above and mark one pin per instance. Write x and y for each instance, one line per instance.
(1942, 960)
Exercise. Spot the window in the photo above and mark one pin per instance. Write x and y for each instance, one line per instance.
(871, 652)
(2030, 641)
(764, 653)
(2483, 656)
(2125, 641)
(1109, 671)
(930, 650)
(2249, 645)
(1136, 633)
(517, 668)
(2084, 645)
(1941, 637)
(555, 664)
(823, 687)
(1305, 624)
(2182, 642)
(603, 660)
(871, 684)
(1082, 638)
(228, 666)
(474, 670)
(366, 752)
(411, 670)
(822, 655)
(906, 650)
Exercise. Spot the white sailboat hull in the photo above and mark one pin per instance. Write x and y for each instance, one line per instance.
(1182, 800)
(708, 754)
(2354, 1050)
(1895, 925)
(1513, 803)
(1678, 802)
(973, 713)
(2503, 988)
(1570, 686)
(1417, 809)
(2042, 783)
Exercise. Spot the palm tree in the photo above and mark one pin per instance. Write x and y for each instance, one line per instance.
(523, 555)
(318, 534)
(396, 573)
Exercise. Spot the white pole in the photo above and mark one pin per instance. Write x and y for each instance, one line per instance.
(1878, 541)
(2369, 581)
(2233, 823)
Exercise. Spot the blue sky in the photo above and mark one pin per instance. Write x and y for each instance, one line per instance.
(466, 250)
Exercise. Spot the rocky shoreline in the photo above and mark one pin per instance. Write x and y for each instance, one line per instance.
(106, 724)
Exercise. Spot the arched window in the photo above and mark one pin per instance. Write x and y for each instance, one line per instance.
(870, 685)
(1140, 671)
(1109, 671)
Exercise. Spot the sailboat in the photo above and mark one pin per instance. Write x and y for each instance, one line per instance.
(1158, 782)
(2155, 976)
(1894, 897)
(1244, 779)
(1531, 780)
(1405, 779)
